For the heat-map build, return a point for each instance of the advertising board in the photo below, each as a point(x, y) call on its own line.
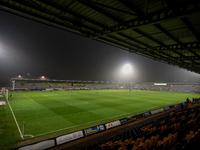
point(94, 130)
point(69, 137)
point(2, 102)
point(166, 108)
point(112, 124)
point(153, 112)
point(131, 118)
point(147, 114)
point(123, 121)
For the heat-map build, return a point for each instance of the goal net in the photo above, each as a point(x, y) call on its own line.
point(3, 90)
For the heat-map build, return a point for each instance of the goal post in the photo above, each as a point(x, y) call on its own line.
point(6, 94)
point(3, 90)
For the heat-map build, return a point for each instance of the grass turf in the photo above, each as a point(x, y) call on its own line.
point(62, 112)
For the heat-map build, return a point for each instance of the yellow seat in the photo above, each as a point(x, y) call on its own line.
point(165, 139)
point(165, 145)
point(142, 139)
point(124, 148)
point(152, 142)
point(134, 148)
point(175, 137)
point(139, 147)
point(159, 143)
point(137, 142)
point(191, 133)
point(171, 140)
point(157, 138)
point(129, 141)
point(146, 145)
point(188, 137)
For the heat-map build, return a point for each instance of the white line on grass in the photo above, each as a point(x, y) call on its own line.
point(22, 101)
point(15, 120)
point(27, 97)
point(99, 120)
point(50, 106)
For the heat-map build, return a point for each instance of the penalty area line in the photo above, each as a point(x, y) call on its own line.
point(28, 97)
point(98, 120)
point(15, 120)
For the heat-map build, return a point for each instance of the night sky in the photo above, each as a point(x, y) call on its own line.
point(40, 50)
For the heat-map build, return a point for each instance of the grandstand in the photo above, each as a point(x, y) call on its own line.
point(38, 84)
point(179, 131)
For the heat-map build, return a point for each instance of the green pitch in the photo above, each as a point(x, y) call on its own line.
point(62, 112)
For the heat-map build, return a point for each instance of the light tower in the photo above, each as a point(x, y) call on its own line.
point(127, 69)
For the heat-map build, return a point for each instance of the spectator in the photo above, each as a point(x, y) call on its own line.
point(187, 100)
point(190, 104)
point(172, 113)
point(181, 106)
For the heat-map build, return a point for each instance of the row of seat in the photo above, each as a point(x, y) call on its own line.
point(159, 134)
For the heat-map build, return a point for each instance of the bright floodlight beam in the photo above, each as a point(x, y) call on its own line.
point(127, 68)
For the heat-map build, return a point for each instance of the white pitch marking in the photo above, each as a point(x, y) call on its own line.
point(15, 120)
point(47, 106)
point(27, 97)
point(98, 120)
point(22, 101)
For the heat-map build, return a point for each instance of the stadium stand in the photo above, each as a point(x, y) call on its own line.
point(165, 131)
point(161, 134)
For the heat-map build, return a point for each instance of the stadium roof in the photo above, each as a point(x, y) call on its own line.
point(164, 30)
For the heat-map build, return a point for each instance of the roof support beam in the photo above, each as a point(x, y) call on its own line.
point(188, 24)
point(119, 10)
point(133, 39)
point(147, 36)
point(118, 39)
point(58, 17)
point(172, 37)
point(64, 10)
point(189, 58)
point(183, 46)
point(152, 18)
point(167, 33)
point(133, 8)
point(100, 11)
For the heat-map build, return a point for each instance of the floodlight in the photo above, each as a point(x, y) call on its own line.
point(127, 68)
point(19, 76)
point(43, 77)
